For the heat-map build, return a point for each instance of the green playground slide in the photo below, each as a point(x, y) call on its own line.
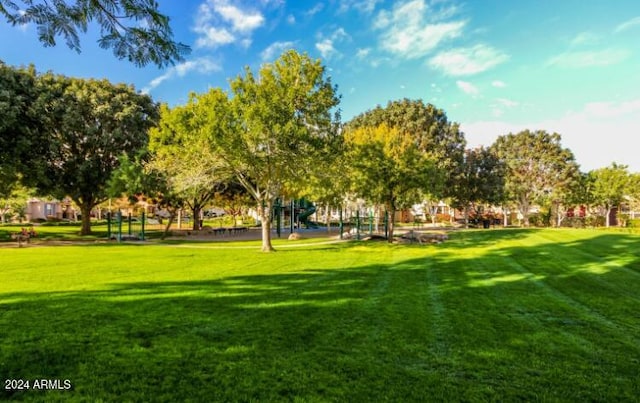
point(309, 209)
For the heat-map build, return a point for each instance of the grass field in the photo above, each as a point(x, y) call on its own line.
point(523, 315)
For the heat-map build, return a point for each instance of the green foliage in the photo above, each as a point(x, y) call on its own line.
point(633, 223)
point(276, 130)
point(478, 178)
point(180, 149)
point(609, 186)
point(14, 206)
point(21, 130)
point(89, 125)
point(440, 140)
point(134, 29)
point(537, 167)
point(387, 167)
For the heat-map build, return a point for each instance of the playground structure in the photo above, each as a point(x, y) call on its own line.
point(123, 227)
point(352, 223)
point(292, 216)
point(295, 213)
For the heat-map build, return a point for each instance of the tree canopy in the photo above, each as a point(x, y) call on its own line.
point(609, 186)
point(478, 178)
point(180, 150)
point(387, 167)
point(89, 125)
point(134, 29)
point(434, 135)
point(21, 129)
point(536, 165)
point(275, 130)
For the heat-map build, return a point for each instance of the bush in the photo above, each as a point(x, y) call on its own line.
point(538, 220)
point(574, 222)
point(595, 221)
point(633, 223)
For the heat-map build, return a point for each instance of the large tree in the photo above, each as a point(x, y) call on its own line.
point(21, 134)
point(89, 125)
point(180, 148)
point(134, 29)
point(609, 186)
point(479, 178)
point(536, 166)
point(273, 132)
point(438, 138)
point(387, 167)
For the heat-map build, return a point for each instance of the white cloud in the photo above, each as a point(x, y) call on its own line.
point(363, 6)
point(584, 38)
point(627, 25)
point(606, 110)
point(202, 65)
point(212, 37)
point(598, 134)
point(315, 10)
point(407, 32)
point(220, 23)
point(275, 49)
point(241, 21)
point(326, 49)
point(467, 87)
point(467, 61)
point(507, 102)
point(291, 19)
point(326, 46)
point(498, 108)
point(361, 53)
point(498, 84)
point(601, 58)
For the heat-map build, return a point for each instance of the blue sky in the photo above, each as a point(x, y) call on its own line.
point(494, 66)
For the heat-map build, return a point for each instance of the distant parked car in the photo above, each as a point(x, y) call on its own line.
point(214, 212)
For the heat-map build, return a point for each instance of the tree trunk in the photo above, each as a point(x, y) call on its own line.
point(265, 217)
point(504, 216)
point(392, 219)
point(196, 217)
point(327, 217)
point(172, 216)
point(607, 216)
point(85, 210)
point(524, 210)
point(466, 216)
point(559, 215)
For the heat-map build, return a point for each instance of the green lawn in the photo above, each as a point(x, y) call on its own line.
point(522, 315)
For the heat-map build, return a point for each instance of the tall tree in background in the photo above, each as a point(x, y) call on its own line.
point(89, 125)
point(276, 137)
point(609, 186)
point(478, 178)
point(387, 167)
point(438, 138)
point(134, 29)
point(536, 166)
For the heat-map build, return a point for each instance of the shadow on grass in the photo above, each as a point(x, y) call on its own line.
point(553, 321)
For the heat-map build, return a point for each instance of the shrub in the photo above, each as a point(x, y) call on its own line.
point(633, 223)
point(595, 221)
